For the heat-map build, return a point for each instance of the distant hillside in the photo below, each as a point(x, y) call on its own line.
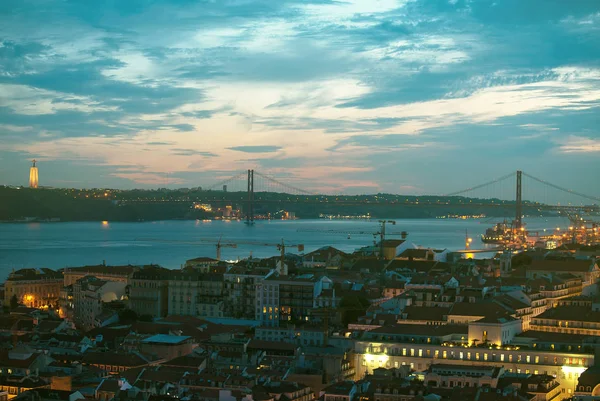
point(164, 204)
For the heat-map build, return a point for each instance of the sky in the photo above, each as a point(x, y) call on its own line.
point(340, 96)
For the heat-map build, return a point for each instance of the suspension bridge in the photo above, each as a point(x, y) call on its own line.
point(519, 191)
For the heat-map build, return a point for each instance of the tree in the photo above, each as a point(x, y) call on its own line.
point(14, 302)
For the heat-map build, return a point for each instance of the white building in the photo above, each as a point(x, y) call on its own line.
point(89, 296)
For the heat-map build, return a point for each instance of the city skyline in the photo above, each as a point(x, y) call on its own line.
point(408, 97)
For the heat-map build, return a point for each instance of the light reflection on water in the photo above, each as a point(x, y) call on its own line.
point(57, 245)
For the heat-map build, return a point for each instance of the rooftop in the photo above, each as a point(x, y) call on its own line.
point(165, 339)
point(572, 265)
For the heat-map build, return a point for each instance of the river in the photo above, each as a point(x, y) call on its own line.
point(57, 245)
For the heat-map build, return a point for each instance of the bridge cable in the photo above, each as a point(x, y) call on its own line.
point(562, 189)
point(227, 181)
point(302, 191)
point(482, 185)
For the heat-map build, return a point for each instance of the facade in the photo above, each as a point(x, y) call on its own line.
point(190, 293)
point(301, 335)
point(102, 272)
point(587, 269)
point(148, 291)
point(288, 299)
point(240, 285)
point(564, 366)
point(36, 288)
point(202, 264)
point(167, 347)
point(568, 320)
point(328, 257)
point(89, 296)
point(496, 331)
point(446, 375)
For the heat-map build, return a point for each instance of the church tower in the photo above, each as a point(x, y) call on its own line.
point(33, 176)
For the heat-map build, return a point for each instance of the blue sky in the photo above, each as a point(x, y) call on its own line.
point(356, 96)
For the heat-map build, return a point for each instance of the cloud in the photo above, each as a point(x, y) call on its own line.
point(330, 95)
point(577, 144)
point(256, 148)
point(192, 152)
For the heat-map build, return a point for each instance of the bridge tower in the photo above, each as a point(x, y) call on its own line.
point(519, 204)
point(250, 203)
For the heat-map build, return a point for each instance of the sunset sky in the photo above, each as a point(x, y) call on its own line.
point(356, 96)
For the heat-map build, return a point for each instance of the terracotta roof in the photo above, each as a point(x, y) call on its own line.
point(109, 385)
point(48, 325)
point(413, 265)
point(324, 254)
point(188, 361)
point(546, 336)
point(113, 358)
point(421, 329)
point(393, 242)
point(341, 388)
point(414, 253)
point(572, 313)
point(432, 313)
point(98, 269)
point(202, 259)
point(271, 346)
point(8, 362)
point(483, 309)
point(573, 265)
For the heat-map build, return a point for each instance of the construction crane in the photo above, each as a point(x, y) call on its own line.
point(281, 246)
point(381, 233)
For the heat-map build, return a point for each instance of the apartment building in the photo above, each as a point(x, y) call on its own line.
point(36, 288)
point(240, 285)
point(89, 295)
point(569, 319)
point(101, 272)
point(149, 291)
point(190, 293)
point(288, 299)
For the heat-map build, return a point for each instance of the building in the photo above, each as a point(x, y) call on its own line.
point(341, 391)
point(327, 256)
point(301, 335)
point(89, 296)
point(33, 176)
point(22, 362)
point(421, 346)
point(586, 269)
point(568, 320)
point(191, 293)
point(166, 346)
point(36, 288)
point(288, 299)
point(240, 285)
point(496, 331)
point(202, 264)
point(101, 272)
point(113, 362)
point(17, 385)
point(588, 386)
point(149, 291)
point(446, 375)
